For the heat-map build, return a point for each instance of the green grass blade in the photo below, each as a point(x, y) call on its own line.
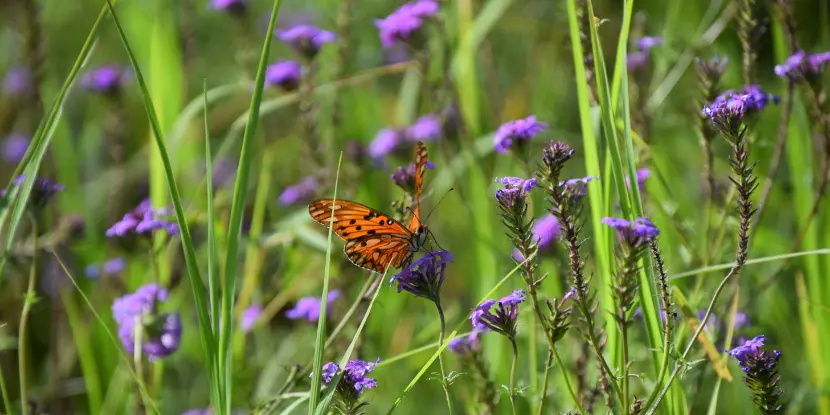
point(723, 267)
point(320, 341)
point(212, 254)
point(191, 263)
point(240, 192)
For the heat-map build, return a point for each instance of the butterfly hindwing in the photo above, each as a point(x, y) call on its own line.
point(353, 220)
point(377, 252)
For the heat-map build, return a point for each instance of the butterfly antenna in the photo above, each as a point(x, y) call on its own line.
point(439, 202)
point(436, 241)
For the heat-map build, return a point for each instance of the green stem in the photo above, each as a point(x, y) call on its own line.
point(444, 381)
point(23, 337)
point(513, 376)
point(544, 390)
point(138, 337)
point(624, 339)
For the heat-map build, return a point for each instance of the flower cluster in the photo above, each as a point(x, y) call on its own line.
point(424, 277)
point(405, 21)
point(730, 108)
point(14, 147)
point(42, 190)
point(503, 319)
point(760, 376)
point(104, 80)
point(517, 132)
point(426, 128)
point(405, 177)
point(306, 40)
point(161, 332)
point(351, 385)
point(144, 219)
point(230, 6)
point(642, 175)
point(309, 307)
point(467, 344)
point(639, 58)
point(634, 234)
point(109, 267)
point(515, 191)
point(250, 316)
point(800, 64)
point(17, 81)
point(298, 192)
point(284, 74)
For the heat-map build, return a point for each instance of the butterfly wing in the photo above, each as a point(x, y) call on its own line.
point(373, 239)
point(420, 167)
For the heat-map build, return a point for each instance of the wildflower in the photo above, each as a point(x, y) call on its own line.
point(504, 319)
point(635, 234)
point(545, 231)
point(199, 411)
point(424, 277)
point(351, 385)
point(309, 307)
point(306, 39)
point(110, 267)
point(647, 42)
point(727, 114)
point(104, 80)
point(405, 177)
point(518, 131)
point(642, 175)
point(576, 189)
point(161, 332)
point(639, 57)
point(144, 219)
point(401, 24)
point(466, 345)
point(284, 74)
point(42, 190)
point(298, 192)
point(17, 81)
point(760, 376)
point(385, 142)
point(426, 128)
point(800, 64)
point(515, 190)
point(741, 320)
point(249, 317)
point(14, 147)
point(714, 68)
point(230, 6)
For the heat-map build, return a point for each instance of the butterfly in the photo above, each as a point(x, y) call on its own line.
point(374, 240)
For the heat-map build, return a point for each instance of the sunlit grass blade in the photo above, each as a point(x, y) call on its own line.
point(212, 254)
point(191, 263)
point(754, 261)
point(320, 340)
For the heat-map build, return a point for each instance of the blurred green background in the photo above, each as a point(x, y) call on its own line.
point(509, 59)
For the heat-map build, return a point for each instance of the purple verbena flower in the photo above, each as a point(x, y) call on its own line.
point(143, 219)
point(230, 6)
point(546, 231)
point(105, 79)
point(424, 277)
point(14, 147)
point(405, 177)
point(285, 74)
point(298, 192)
point(503, 320)
point(515, 190)
point(110, 267)
point(647, 42)
point(635, 234)
point(800, 64)
point(518, 132)
point(330, 370)
point(466, 345)
point(576, 189)
point(401, 24)
point(17, 81)
point(636, 60)
point(741, 320)
point(385, 142)
point(161, 332)
point(306, 39)
point(42, 190)
point(249, 317)
point(642, 175)
point(760, 375)
point(426, 128)
point(309, 307)
point(354, 381)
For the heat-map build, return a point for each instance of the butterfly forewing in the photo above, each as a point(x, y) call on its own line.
point(353, 220)
point(420, 167)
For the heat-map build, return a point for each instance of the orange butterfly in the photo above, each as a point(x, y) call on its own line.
point(373, 239)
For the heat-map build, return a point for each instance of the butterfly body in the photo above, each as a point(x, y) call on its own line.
point(374, 240)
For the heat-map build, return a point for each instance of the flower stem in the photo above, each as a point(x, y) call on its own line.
point(23, 337)
point(513, 376)
point(444, 381)
point(544, 391)
point(138, 339)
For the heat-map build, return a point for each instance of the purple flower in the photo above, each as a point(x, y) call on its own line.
point(576, 189)
point(760, 375)
point(741, 320)
point(199, 411)
point(520, 131)
point(466, 345)
point(401, 24)
point(285, 74)
point(504, 319)
point(748, 349)
point(648, 42)
point(424, 277)
point(546, 230)
point(17, 81)
point(639, 58)
point(144, 219)
point(800, 64)
point(14, 147)
point(42, 190)
point(105, 80)
point(426, 128)
point(306, 39)
point(636, 60)
point(161, 331)
point(249, 317)
point(230, 6)
point(309, 307)
point(330, 370)
point(635, 234)
point(109, 267)
point(385, 142)
point(299, 192)
point(713, 323)
point(642, 175)
point(354, 381)
point(818, 61)
point(515, 190)
point(405, 177)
